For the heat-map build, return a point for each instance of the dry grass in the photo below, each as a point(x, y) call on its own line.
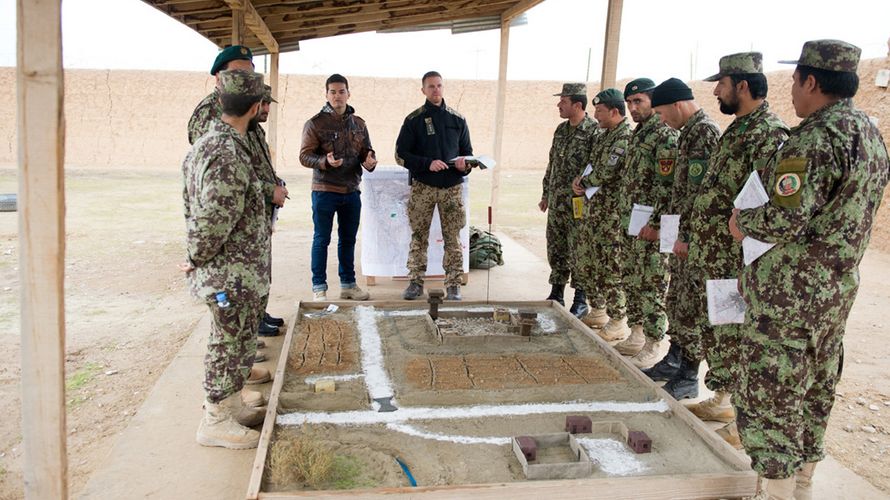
point(301, 457)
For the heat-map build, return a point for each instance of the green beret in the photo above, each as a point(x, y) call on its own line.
point(612, 97)
point(230, 54)
point(830, 55)
point(738, 64)
point(637, 86)
point(573, 89)
point(240, 82)
point(671, 91)
point(267, 95)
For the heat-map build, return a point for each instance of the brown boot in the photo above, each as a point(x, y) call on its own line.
point(775, 489)
point(252, 399)
point(596, 318)
point(615, 330)
point(218, 427)
point(803, 488)
point(649, 354)
point(716, 409)
point(633, 344)
point(730, 434)
point(258, 376)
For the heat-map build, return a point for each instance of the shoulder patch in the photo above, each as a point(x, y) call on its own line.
point(414, 114)
point(697, 169)
point(790, 178)
point(451, 110)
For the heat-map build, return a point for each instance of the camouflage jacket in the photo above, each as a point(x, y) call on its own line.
point(697, 142)
point(649, 169)
point(825, 184)
point(746, 145)
point(607, 160)
point(568, 157)
point(206, 112)
point(227, 228)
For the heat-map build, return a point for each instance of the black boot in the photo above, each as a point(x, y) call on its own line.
point(684, 385)
point(556, 293)
point(579, 304)
point(668, 367)
point(272, 320)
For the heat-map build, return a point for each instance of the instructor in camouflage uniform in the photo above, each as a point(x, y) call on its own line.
point(825, 185)
point(569, 154)
point(648, 180)
point(228, 264)
point(600, 259)
point(675, 105)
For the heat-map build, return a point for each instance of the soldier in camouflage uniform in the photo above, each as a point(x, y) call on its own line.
point(648, 180)
point(825, 184)
point(600, 260)
point(745, 146)
point(569, 154)
point(675, 105)
point(228, 265)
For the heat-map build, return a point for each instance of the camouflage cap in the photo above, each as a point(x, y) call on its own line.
point(573, 89)
point(830, 55)
point(612, 97)
point(738, 64)
point(637, 86)
point(267, 95)
point(230, 54)
point(240, 82)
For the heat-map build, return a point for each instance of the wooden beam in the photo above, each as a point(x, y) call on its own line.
point(500, 106)
point(518, 9)
point(237, 24)
point(254, 22)
point(41, 197)
point(273, 113)
point(610, 47)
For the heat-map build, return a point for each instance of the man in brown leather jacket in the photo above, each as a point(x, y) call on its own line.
point(336, 146)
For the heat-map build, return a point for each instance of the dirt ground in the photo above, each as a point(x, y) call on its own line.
point(128, 312)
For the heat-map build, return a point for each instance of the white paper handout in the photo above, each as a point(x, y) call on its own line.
point(639, 217)
point(589, 192)
point(725, 304)
point(670, 231)
point(752, 195)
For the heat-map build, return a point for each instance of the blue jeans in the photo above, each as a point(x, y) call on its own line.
point(348, 208)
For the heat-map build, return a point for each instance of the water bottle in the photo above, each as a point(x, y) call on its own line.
point(222, 300)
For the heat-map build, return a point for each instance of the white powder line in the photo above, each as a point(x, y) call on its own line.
point(376, 379)
point(419, 413)
point(412, 431)
point(612, 456)
point(546, 324)
point(336, 378)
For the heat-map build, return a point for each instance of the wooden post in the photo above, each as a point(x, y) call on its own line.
point(273, 113)
point(500, 105)
point(41, 202)
point(237, 26)
point(610, 48)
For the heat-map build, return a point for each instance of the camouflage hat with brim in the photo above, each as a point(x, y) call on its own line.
point(240, 82)
point(267, 94)
point(229, 54)
point(611, 97)
point(743, 63)
point(637, 86)
point(830, 55)
point(573, 89)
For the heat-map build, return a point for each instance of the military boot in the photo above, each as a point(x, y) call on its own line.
point(803, 488)
point(730, 434)
point(775, 489)
point(633, 344)
point(684, 385)
point(669, 365)
point(258, 375)
point(253, 399)
point(557, 293)
point(218, 427)
point(414, 291)
point(452, 292)
point(616, 329)
point(272, 320)
point(716, 409)
point(596, 318)
point(579, 304)
point(649, 354)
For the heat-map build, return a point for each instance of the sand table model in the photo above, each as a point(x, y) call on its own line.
point(474, 400)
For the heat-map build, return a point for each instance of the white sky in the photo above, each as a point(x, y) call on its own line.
point(659, 39)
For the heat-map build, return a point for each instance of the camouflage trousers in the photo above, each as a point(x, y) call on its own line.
point(560, 228)
point(231, 347)
point(645, 278)
point(786, 392)
point(598, 265)
point(424, 199)
point(684, 312)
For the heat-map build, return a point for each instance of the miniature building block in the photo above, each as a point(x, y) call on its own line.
point(502, 315)
point(325, 385)
point(578, 424)
point(639, 442)
point(436, 297)
point(529, 447)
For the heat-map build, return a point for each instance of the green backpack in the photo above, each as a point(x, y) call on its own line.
point(485, 249)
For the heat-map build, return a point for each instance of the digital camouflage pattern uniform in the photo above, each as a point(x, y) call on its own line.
point(648, 180)
point(825, 184)
point(569, 154)
point(601, 258)
point(227, 236)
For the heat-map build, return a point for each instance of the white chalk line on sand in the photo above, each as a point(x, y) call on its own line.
point(376, 379)
point(311, 379)
point(407, 414)
point(546, 324)
point(435, 436)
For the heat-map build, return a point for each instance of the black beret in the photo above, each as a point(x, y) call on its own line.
point(671, 91)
